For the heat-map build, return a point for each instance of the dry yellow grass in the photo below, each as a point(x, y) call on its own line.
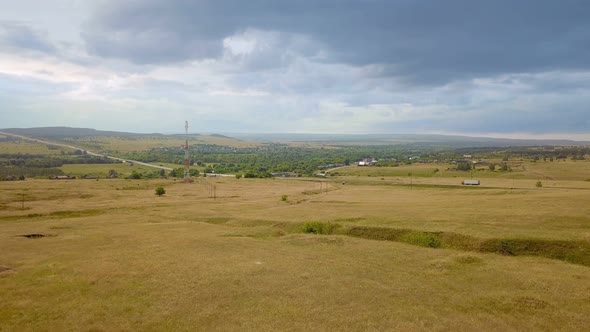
point(28, 147)
point(568, 170)
point(120, 144)
point(123, 145)
point(131, 144)
point(119, 258)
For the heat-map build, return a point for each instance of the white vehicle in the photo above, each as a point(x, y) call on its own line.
point(470, 182)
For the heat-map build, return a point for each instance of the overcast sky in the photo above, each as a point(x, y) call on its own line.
point(507, 68)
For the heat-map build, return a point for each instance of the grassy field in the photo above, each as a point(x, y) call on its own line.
point(116, 257)
point(28, 147)
point(102, 170)
point(568, 170)
point(130, 144)
point(122, 169)
point(117, 145)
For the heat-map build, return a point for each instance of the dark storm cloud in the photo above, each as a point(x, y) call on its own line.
point(418, 41)
point(21, 37)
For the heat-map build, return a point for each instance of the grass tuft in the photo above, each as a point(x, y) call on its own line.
point(318, 227)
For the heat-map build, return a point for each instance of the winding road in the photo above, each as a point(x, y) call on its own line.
point(88, 152)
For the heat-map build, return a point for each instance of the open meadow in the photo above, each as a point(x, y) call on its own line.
point(109, 144)
point(351, 252)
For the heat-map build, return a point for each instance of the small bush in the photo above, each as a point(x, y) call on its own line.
point(284, 198)
point(318, 227)
point(422, 239)
point(160, 191)
point(539, 184)
point(238, 176)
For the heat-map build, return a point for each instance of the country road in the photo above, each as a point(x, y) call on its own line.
point(88, 152)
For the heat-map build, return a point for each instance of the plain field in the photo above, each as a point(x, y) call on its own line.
point(116, 257)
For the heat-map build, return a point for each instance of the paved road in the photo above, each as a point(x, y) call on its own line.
point(88, 152)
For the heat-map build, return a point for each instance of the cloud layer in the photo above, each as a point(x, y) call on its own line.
point(458, 66)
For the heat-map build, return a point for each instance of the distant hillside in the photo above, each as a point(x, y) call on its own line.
point(405, 139)
point(241, 139)
point(65, 133)
point(61, 132)
point(221, 136)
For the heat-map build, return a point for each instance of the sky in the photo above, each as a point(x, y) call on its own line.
point(502, 68)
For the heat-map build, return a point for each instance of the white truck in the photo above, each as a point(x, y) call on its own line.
point(470, 182)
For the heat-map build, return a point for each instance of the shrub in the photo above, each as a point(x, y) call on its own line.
point(422, 239)
point(284, 198)
point(160, 191)
point(318, 227)
point(539, 184)
point(238, 176)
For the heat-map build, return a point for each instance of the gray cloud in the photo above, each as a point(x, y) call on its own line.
point(17, 36)
point(421, 42)
point(301, 66)
point(22, 87)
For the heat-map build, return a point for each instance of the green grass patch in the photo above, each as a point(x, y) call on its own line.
point(55, 215)
point(318, 227)
point(422, 239)
point(577, 252)
point(76, 214)
point(214, 221)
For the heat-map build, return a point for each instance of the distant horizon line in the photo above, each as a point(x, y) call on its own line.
point(584, 138)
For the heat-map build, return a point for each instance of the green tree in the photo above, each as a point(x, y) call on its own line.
point(464, 167)
point(160, 191)
point(492, 167)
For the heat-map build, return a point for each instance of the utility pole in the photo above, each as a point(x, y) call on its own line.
point(187, 173)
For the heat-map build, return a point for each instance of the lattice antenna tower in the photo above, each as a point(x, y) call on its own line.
point(187, 173)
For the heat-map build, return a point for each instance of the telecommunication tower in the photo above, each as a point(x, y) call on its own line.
point(187, 173)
